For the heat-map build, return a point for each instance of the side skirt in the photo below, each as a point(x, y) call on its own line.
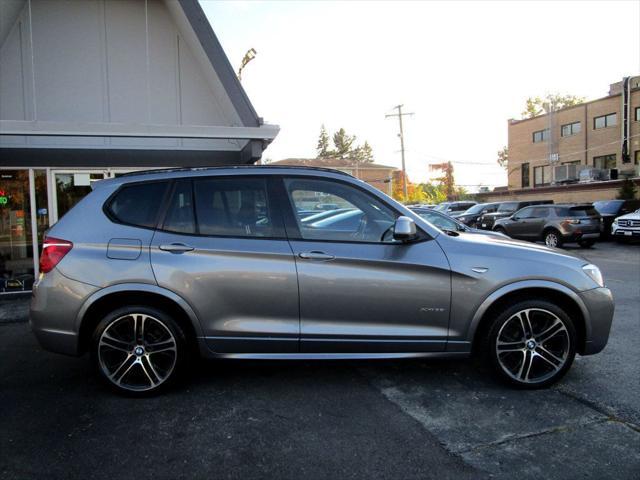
point(336, 356)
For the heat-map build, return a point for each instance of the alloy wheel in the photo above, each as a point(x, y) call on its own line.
point(551, 240)
point(137, 352)
point(533, 345)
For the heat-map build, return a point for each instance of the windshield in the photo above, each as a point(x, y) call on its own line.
point(608, 206)
point(476, 208)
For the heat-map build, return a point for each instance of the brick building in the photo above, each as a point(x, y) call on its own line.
point(378, 176)
point(548, 154)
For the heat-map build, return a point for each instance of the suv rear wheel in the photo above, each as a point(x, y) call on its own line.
point(138, 350)
point(531, 344)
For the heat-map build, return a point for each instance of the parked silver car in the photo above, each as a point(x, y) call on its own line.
point(152, 267)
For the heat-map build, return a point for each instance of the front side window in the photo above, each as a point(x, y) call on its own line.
point(605, 161)
point(508, 207)
point(138, 204)
point(604, 121)
point(541, 136)
point(353, 216)
point(524, 213)
point(570, 129)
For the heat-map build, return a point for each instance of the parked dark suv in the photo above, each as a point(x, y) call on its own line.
point(506, 209)
point(555, 224)
point(471, 217)
point(612, 209)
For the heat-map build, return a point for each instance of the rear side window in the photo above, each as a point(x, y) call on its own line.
point(236, 207)
point(179, 217)
point(582, 212)
point(138, 204)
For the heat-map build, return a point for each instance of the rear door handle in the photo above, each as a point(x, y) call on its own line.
point(315, 255)
point(176, 248)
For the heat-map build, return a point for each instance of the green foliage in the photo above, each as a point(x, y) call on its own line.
point(627, 190)
point(503, 157)
point(344, 147)
point(538, 105)
point(323, 143)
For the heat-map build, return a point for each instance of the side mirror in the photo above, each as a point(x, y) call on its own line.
point(515, 218)
point(404, 229)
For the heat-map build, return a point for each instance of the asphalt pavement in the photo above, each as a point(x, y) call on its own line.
point(388, 419)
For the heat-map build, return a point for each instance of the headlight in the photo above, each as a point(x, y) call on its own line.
point(594, 274)
point(615, 222)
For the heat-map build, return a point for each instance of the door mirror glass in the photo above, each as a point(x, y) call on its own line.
point(404, 229)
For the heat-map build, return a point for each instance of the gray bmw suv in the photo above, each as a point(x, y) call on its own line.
point(151, 268)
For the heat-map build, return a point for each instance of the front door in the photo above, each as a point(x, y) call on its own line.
point(221, 247)
point(360, 291)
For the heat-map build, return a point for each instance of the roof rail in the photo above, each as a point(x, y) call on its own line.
point(234, 167)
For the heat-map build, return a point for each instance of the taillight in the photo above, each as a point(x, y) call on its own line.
point(53, 250)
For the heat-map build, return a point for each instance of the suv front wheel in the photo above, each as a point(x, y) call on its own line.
point(138, 350)
point(531, 344)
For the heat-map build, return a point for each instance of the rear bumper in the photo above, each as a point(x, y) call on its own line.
point(600, 305)
point(579, 236)
point(55, 303)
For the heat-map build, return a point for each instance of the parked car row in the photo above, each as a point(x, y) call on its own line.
point(542, 220)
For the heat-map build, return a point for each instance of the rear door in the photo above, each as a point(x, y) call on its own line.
point(360, 291)
point(222, 247)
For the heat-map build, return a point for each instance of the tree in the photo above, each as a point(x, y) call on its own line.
point(322, 148)
point(503, 157)
point(447, 180)
point(415, 193)
point(343, 143)
point(537, 106)
point(627, 190)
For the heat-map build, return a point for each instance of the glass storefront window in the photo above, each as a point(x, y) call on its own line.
point(72, 187)
point(16, 250)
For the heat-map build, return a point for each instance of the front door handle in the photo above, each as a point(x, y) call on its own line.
point(315, 255)
point(176, 248)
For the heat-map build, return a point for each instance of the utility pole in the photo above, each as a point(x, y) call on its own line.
point(401, 135)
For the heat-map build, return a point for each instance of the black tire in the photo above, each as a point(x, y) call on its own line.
point(586, 243)
point(510, 364)
point(552, 238)
point(159, 363)
point(501, 230)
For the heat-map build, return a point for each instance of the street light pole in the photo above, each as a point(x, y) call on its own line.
point(401, 135)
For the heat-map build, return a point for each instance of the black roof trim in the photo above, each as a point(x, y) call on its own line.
point(214, 51)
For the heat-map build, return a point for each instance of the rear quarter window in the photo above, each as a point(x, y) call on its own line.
point(138, 204)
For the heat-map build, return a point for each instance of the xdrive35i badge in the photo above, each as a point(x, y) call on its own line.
point(431, 309)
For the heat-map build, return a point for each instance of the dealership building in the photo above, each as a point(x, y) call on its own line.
point(93, 89)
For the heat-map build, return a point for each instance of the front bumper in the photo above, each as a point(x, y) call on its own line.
point(55, 303)
point(627, 232)
point(600, 308)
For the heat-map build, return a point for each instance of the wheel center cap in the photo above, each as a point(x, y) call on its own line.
point(139, 351)
point(531, 344)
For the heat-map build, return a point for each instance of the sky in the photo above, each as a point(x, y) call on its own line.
point(462, 67)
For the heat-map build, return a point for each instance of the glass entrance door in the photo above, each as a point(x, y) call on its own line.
point(71, 187)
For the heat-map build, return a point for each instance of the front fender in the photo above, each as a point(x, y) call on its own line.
point(523, 285)
point(135, 288)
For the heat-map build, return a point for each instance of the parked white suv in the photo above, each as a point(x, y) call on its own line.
point(626, 226)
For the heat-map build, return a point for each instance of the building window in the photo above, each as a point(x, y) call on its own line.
point(604, 121)
point(541, 175)
point(636, 160)
point(605, 161)
point(570, 129)
point(637, 114)
point(525, 175)
point(541, 136)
